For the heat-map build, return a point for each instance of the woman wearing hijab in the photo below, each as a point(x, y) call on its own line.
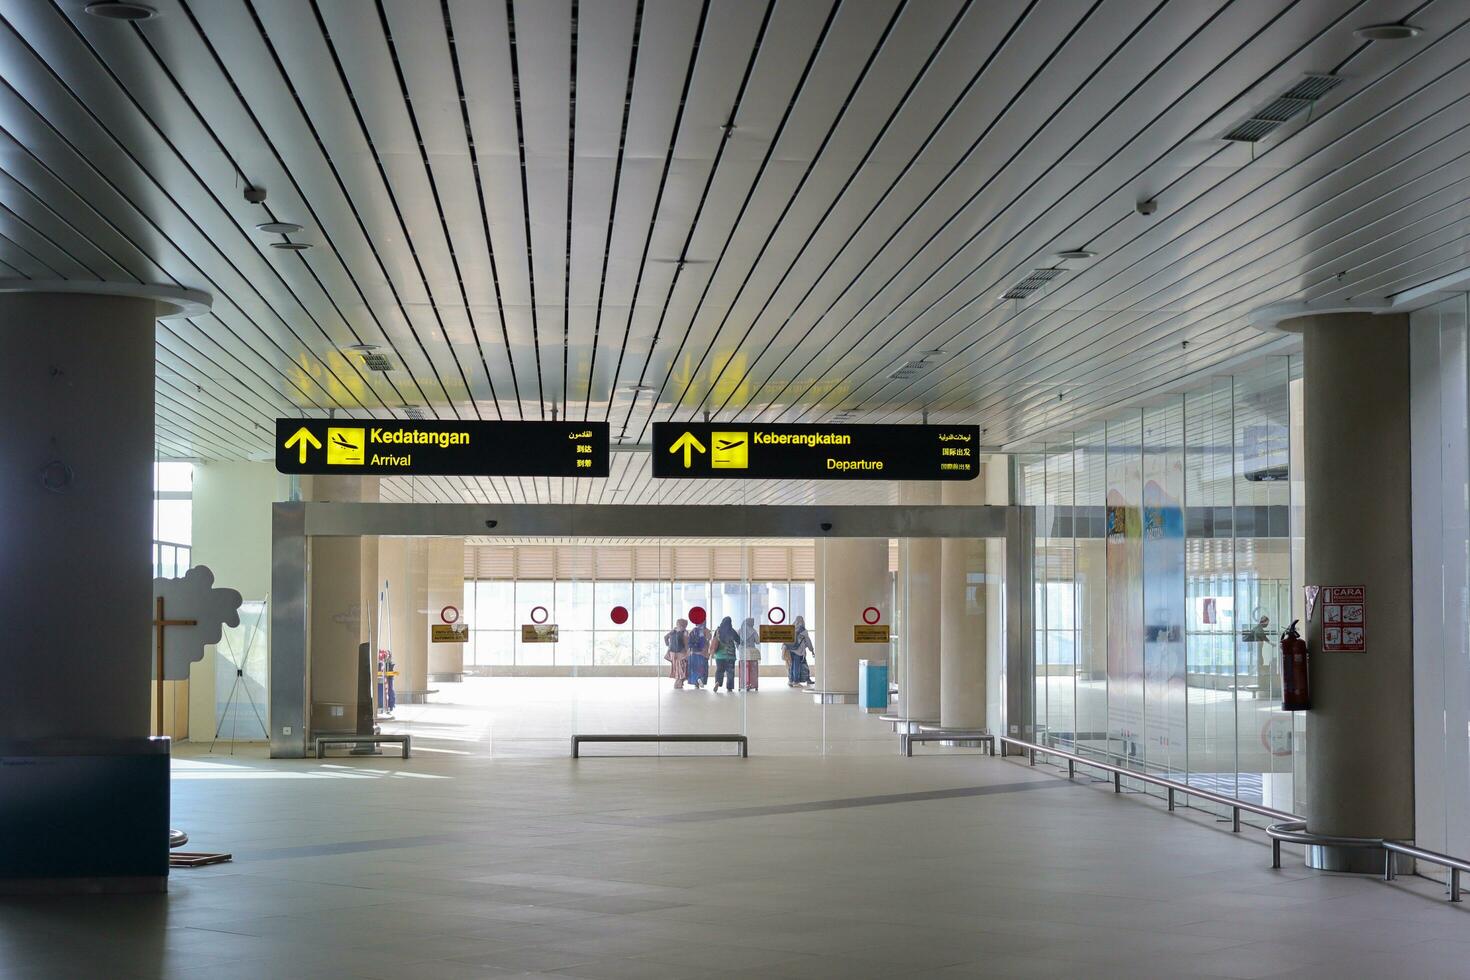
point(799, 674)
point(750, 655)
point(727, 642)
point(676, 644)
point(699, 655)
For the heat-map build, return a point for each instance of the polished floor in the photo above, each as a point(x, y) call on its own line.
point(460, 863)
point(522, 717)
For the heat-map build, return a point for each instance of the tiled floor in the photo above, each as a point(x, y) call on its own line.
point(471, 865)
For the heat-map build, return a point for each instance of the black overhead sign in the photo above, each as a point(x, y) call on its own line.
point(747, 451)
point(344, 447)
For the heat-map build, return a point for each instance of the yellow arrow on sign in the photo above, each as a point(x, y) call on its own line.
point(686, 442)
point(302, 438)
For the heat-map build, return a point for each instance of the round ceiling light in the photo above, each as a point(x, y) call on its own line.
point(279, 227)
point(1388, 32)
point(1076, 253)
point(291, 246)
point(120, 10)
point(362, 348)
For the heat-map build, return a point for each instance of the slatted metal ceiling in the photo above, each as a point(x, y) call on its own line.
point(649, 209)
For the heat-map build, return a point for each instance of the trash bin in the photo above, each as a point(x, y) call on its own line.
point(873, 686)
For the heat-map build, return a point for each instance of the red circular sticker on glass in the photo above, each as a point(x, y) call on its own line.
point(619, 614)
point(776, 615)
point(449, 614)
point(871, 615)
point(696, 615)
point(539, 615)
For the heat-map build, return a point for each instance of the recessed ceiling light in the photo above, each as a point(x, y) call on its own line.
point(279, 227)
point(638, 387)
point(1076, 253)
point(291, 246)
point(362, 348)
point(120, 10)
point(1388, 32)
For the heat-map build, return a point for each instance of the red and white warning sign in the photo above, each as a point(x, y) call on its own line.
point(1343, 619)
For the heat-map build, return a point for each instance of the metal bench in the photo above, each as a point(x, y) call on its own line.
point(740, 740)
point(322, 741)
point(906, 740)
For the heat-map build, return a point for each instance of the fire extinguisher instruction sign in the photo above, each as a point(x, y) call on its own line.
point(1344, 622)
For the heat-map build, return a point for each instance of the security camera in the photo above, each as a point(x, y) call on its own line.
point(491, 524)
point(1148, 207)
point(826, 526)
point(255, 195)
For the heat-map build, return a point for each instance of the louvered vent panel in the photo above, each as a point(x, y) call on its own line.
point(729, 563)
point(535, 562)
point(575, 562)
point(691, 563)
point(804, 562)
point(770, 564)
point(492, 561)
point(381, 363)
point(1252, 131)
point(1034, 281)
point(1313, 87)
point(1286, 106)
point(614, 564)
point(653, 563)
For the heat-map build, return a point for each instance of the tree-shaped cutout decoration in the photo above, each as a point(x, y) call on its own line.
point(192, 597)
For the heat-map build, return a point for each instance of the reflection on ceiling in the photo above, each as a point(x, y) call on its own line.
point(767, 210)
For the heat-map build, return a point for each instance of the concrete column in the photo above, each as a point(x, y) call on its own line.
point(962, 623)
point(1360, 750)
point(403, 568)
point(232, 535)
point(87, 790)
point(919, 561)
point(446, 588)
point(343, 609)
point(852, 574)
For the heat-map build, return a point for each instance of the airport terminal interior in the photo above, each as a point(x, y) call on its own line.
point(734, 488)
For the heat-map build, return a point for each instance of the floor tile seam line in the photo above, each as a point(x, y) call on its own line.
point(846, 803)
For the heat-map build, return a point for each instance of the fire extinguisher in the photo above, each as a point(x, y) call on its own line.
point(1296, 692)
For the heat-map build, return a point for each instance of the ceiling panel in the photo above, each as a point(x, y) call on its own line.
point(644, 210)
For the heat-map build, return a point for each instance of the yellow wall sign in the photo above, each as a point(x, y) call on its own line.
point(778, 634)
point(449, 633)
point(862, 633)
point(542, 633)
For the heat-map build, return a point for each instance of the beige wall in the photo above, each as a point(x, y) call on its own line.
point(232, 535)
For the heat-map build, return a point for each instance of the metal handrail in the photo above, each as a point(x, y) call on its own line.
point(1171, 785)
point(1291, 828)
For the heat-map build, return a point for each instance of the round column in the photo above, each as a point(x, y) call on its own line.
point(962, 611)
point(1359, 743)
point(446, 588)
point(76, 560)
point(852, 574)
point(919, 577)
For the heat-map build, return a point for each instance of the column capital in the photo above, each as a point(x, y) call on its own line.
point(172, 301)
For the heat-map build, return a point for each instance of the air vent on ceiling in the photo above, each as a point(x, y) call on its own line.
point(413, 411)
point(1034, 280)
point(1280, 110)
point(377, 362)
point(909, 370)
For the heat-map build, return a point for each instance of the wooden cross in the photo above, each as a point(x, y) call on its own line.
point(159, 622)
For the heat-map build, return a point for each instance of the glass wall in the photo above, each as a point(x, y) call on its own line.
point(173, 518)
point(606, 577)
point(1165, 567)
point(1440, 374)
